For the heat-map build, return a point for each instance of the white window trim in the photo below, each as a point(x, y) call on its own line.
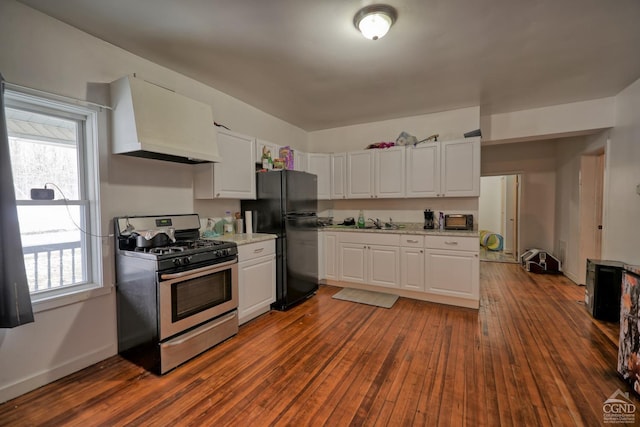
point(95, 287)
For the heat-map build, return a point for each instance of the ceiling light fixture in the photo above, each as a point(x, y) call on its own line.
point(375, 20)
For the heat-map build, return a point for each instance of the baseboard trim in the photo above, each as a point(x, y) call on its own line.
point(25, 385)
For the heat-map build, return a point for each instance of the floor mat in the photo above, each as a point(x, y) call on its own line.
point(378, 299)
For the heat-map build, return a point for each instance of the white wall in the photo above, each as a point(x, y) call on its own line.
point(491, 204)
point(577, 118)
point(621, 238)
point(40, 52)
point(535, 160)
point(448, 124)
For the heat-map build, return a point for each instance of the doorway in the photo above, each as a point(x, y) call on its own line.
point(591, 184)
point(498, 218)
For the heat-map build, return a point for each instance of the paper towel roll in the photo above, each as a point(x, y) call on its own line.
point(248, 222)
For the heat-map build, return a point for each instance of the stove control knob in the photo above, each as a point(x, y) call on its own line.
point(177, 261)
point(186, 260)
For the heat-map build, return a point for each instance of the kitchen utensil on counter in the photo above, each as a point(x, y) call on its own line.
point(428, 219)
point(348, 221)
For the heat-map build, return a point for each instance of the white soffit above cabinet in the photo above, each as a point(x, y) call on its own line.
point(306, 63)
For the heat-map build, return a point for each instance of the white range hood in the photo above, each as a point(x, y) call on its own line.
point(152, 122)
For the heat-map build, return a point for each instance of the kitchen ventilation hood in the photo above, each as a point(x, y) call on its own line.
point(155, 123)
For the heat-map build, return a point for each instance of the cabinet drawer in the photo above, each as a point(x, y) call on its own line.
point(256, 250)
point(370, 238)
point(412, 241)
point(453, 243)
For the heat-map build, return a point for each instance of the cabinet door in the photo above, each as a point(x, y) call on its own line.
point(360, 183)
point(235, 176)
point(383, 266)
point(257, 287)
point(330, 256)
point(423, 170)
point(353, 260)
point(412, 269)
point(320, 165)
point(452, 273)
point(338, 176)
point(299, 161)
point(389, 176)
point(460, 175)
point(272, 147)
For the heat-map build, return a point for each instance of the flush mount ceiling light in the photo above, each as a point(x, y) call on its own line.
point(375, 20)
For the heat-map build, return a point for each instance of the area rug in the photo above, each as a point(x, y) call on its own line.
point(378, 299)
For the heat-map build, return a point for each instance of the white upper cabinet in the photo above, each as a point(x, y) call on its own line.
point(339, 176)
point(235, 176)
point(320, 165)
point(423, 170)
point(444, 169)
point(460, 168)
point(261, 144)
point(300, 161)
point(390, 172)
point(360, 184)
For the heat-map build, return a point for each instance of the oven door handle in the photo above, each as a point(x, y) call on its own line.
point(208, 269)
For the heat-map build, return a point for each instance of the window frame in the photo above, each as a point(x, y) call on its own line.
point(88, 194)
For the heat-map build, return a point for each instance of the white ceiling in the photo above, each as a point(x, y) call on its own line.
point(304, 61)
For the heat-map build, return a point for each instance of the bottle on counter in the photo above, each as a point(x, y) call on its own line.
point(441, 221)
point(228, 223)
point(361, 219)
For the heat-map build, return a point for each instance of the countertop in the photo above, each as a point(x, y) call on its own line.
point(405, 228)
point(243, 239)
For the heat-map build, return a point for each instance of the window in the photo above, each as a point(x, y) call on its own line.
point(53, 145)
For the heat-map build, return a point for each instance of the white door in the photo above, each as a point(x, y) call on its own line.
point(360, 174)
point(412, 269)
point(452, 273)
point(320, 165)
point(460, 173)
point(390, 172)
point(423, 170)
point(353, 259)
point(384, 266)
point(257, 285)
point(339, 176)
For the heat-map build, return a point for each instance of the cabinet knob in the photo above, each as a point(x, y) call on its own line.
point(450, 243)
point(217, 194)
point(421, 251)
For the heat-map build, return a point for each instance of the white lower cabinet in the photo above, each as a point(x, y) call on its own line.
point(412, 262)
point(444, 269)
point(369, 258)
point(330, 251)
point(256, 279)
point(452, 267)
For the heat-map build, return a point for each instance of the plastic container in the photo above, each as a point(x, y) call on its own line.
point(228, 223)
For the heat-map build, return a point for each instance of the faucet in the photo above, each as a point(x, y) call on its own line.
point(376, 222)
point(390, 224)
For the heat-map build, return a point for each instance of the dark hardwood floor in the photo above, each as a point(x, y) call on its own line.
point(530, 356)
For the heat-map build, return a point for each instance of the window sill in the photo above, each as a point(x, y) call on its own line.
point(49, 301)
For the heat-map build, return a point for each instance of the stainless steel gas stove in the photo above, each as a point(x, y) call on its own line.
point(177, 295)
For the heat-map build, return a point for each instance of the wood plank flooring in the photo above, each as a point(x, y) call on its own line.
point(530, 356)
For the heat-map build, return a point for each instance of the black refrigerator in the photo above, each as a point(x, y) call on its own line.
point(286, 205)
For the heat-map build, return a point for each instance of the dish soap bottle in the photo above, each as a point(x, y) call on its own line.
point(361, 219)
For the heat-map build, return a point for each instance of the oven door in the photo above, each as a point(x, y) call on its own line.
point(192, 297)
